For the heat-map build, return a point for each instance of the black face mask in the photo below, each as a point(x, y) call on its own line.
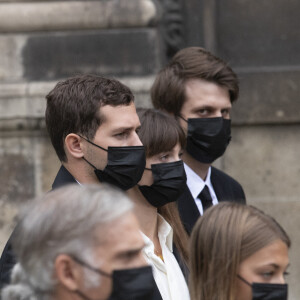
point(125, 166)
point(133, 284)
point(267, 291)
point(169, 182)
point(207, 138)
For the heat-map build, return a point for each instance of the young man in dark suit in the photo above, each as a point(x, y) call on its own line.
point(92, 123)
point(199, 88)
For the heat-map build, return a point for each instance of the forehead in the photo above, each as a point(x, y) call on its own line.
point(275, 253)
point(202, 92)
point(118, 116)
point(121, 234)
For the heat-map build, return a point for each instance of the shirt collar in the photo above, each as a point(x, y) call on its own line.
point(194, 182)
point(165, 235)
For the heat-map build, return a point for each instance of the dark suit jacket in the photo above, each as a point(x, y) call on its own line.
point(226, 189)
point(8, 260)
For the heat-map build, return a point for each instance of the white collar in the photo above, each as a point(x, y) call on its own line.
point(195, 183)
point(165, 235)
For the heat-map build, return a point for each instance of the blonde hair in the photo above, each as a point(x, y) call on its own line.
point(222, 238)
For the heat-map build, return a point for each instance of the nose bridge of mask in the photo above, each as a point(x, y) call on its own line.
point(127, 279)
point(267, 291)
point(165, 170)
point(269, 286)
point(210, 127)
point(116, 155)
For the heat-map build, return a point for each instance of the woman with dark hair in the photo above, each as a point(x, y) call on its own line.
point(238, 253)
point(162, 182)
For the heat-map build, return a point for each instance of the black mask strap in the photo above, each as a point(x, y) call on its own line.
point(182, 118)
point(148, 169)
point(93, 143)
point(89, 162)
point(244, 280)
point(82, 295)
point(96, 270)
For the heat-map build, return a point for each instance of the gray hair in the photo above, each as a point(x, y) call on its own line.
point(62, 221)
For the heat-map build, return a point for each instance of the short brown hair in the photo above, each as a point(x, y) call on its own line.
point(222, 238)
point(159, 131)
point(73, 107)
point(168, 90)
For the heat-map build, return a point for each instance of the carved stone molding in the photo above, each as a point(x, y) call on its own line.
point(172, 26)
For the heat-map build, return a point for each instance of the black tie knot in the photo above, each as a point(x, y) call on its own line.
point(205, 198)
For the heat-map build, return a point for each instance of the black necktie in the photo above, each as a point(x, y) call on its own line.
point(205, 198)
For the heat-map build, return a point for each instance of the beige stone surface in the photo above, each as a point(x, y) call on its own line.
point(70, 15)
point(7, 214)
point(17, 178)
point(49, 165)
point(265, 160)
point(11, 68)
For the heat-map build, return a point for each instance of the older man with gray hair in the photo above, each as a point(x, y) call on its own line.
point(79, 242)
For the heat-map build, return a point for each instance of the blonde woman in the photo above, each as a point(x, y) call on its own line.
point(238, 253)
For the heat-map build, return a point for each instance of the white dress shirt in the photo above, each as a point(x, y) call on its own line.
point(167, 274)
point(196, 184)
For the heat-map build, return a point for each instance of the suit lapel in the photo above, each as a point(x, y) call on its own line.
point(217, 185)
point(62, 178)
point(188, 210)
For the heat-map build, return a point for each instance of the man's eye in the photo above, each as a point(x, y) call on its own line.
point(225, 111)
point(203, 111)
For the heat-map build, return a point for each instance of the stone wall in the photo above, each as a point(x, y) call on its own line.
point(43, 41)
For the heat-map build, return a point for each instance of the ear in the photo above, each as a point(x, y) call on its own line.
point(67, 272)
point(73, 145)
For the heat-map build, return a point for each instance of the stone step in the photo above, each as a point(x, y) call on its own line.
point(74, 15)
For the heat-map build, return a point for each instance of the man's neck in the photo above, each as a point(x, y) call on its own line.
point(145, 213)
point(198, 167)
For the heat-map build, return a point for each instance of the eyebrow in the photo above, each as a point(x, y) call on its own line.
point(124, 129)
point(275, 265)
point(131, 251)
point(196, 109)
